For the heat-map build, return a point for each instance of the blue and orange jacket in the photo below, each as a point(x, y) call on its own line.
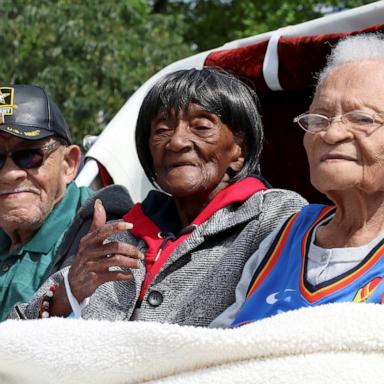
point(279, 284)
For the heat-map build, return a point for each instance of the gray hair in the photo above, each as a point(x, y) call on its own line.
point(354, 49)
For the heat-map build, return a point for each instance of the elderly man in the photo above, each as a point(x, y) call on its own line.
point(38, 198)
point(326, 254)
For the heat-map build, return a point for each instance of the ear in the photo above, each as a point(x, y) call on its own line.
point(238, 159)
point(239, 153)
point(71, 162)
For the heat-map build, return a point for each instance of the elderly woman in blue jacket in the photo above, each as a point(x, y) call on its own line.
point(177, 256)
point(326, 254)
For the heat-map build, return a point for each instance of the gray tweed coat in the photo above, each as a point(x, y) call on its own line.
point(198, 281)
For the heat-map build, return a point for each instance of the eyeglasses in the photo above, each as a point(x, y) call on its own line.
point(358, 121)
point(29, 158)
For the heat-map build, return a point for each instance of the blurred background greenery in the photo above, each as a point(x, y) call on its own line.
point(91, 55)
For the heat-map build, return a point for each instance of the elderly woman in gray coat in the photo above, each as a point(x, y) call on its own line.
point(178, 255)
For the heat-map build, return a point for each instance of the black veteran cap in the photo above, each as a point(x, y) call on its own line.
point(28, 112)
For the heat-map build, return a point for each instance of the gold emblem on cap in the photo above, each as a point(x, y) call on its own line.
point(6, 102)
point(14, 130)
point(3, 96)
point(34, 133)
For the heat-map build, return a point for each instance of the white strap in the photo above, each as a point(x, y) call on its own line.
point(76, 307)
point(271, 62)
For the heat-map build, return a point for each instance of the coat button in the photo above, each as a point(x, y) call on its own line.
point(5, 267)
point(155, 298)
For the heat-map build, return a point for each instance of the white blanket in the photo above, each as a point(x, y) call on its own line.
point(338, 343)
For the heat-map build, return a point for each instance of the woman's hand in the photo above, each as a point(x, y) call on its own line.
point(91, 266)
point(94, 259)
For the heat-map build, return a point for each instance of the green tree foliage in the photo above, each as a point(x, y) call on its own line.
point(90, 55)
point(210, 23)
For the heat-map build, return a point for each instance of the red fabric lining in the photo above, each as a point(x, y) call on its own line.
point(104, 175)
point(300, 58)
point(303, 57)
point(245, 62)
point(147, 230)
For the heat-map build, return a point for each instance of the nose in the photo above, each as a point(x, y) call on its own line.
point(336, 132)
point(180, 139)
point(10, 172)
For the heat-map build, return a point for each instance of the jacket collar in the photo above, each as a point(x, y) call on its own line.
point(158, 212)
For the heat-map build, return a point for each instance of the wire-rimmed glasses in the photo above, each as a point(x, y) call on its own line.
point(359, 121)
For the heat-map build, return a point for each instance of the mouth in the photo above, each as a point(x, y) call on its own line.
point(337, 157)
point(181, 164)
point(18, 191)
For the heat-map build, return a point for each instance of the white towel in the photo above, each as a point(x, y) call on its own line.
point(335, 343)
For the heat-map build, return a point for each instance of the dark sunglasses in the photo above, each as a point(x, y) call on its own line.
point(29, 158)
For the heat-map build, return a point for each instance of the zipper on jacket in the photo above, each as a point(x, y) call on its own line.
point(166, 236)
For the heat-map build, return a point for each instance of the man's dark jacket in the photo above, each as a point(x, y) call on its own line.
point(116, 201)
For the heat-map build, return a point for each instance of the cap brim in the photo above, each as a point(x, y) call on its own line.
point(27, 133)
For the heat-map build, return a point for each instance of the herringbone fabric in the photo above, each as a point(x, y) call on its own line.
point(198, 281)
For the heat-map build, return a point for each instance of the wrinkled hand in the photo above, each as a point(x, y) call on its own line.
point(91, 266)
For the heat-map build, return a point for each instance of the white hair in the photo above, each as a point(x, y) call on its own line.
point(354, 49)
